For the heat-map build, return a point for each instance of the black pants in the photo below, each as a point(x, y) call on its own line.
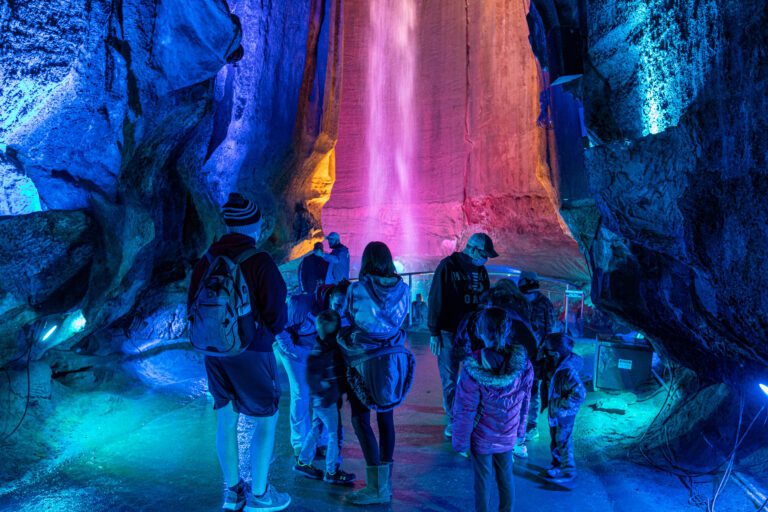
point(375, 453)
point(494, 469)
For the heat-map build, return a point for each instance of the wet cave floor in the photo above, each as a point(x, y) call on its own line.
point(112, 450)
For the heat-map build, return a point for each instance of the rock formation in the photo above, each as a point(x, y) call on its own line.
point(673, 219)
point(475, 159)
point(124, 123)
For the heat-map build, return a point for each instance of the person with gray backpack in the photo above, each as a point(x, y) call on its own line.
point(236, 305)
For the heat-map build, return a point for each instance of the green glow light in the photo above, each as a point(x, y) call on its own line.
point(50, 332)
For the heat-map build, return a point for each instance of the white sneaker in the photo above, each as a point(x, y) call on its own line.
point(520, 451)
point(272, 501)
point(448, 432)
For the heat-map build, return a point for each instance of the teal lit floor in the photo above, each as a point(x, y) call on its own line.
point(154, 451)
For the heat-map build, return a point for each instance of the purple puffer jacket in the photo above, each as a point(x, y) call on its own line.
point(491, 404)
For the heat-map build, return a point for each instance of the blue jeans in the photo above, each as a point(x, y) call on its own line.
point(330, 417)
point(448, 366)
point(486, 467)
point(295, 365)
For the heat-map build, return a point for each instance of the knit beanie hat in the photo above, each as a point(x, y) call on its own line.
point(239, 211)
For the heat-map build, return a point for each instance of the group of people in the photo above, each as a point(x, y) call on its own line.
point(499, 363)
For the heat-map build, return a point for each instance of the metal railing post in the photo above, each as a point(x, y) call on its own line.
point(410, 305)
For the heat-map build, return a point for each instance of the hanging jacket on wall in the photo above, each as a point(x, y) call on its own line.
point(491, 404)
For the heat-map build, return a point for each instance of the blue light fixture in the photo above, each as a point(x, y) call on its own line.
point(50, 332)
point(764, 388)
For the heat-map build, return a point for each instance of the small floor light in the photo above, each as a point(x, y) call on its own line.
point(764, 388)
point(50, 332)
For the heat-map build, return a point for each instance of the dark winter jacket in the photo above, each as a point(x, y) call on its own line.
point(338, 264)
point(265, 285)
point(325, 373)
point(468, 342)
point(542, 316)
point(565, 392)
point(456, 290)
point(379, 367)
point(267, 293)
point(312, 272)
point(491, 405)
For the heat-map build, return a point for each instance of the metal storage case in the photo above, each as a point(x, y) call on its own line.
point(622, 365)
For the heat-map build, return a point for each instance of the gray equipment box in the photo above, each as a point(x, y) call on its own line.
point(621, 365)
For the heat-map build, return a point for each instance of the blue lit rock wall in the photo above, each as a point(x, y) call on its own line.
point(127, 113)
point(676, 227)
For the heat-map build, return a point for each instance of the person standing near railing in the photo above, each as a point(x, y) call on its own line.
point(338, 259)
point(457, 286)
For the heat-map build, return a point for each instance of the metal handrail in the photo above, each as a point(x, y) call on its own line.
point(570, 288)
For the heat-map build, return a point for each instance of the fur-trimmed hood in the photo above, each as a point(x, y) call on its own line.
point(501, 373)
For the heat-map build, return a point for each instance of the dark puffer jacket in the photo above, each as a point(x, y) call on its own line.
point(565, 392)
point(379, 366)
point(325, 373)
point(491, 405)
point(542, 316)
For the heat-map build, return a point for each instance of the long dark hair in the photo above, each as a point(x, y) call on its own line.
point(377, 261)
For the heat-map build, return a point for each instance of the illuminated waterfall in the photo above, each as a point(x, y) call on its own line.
point(390, 124)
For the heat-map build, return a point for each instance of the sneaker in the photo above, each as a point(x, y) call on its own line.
point(520, 451)
point(558, 475)
point(448, 432)
point(339, 477)
point(308, 470)
point(532, 433)
point(271, 501)
point(235, 497)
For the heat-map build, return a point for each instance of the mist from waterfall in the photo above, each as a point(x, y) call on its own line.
point(391, 124)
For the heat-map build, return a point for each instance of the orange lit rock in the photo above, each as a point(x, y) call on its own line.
point(479, 161)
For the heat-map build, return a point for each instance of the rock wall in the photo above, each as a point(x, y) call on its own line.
point(475, 159)
point(674, 98)
point(140, 116)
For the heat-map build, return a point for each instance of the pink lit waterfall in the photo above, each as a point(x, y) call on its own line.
point(391, 124)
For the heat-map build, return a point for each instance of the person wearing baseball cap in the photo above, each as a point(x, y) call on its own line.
point(247, 383)
point(338, 259)
point(457, 286)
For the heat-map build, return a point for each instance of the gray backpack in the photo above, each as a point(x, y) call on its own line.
point(221, 302)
